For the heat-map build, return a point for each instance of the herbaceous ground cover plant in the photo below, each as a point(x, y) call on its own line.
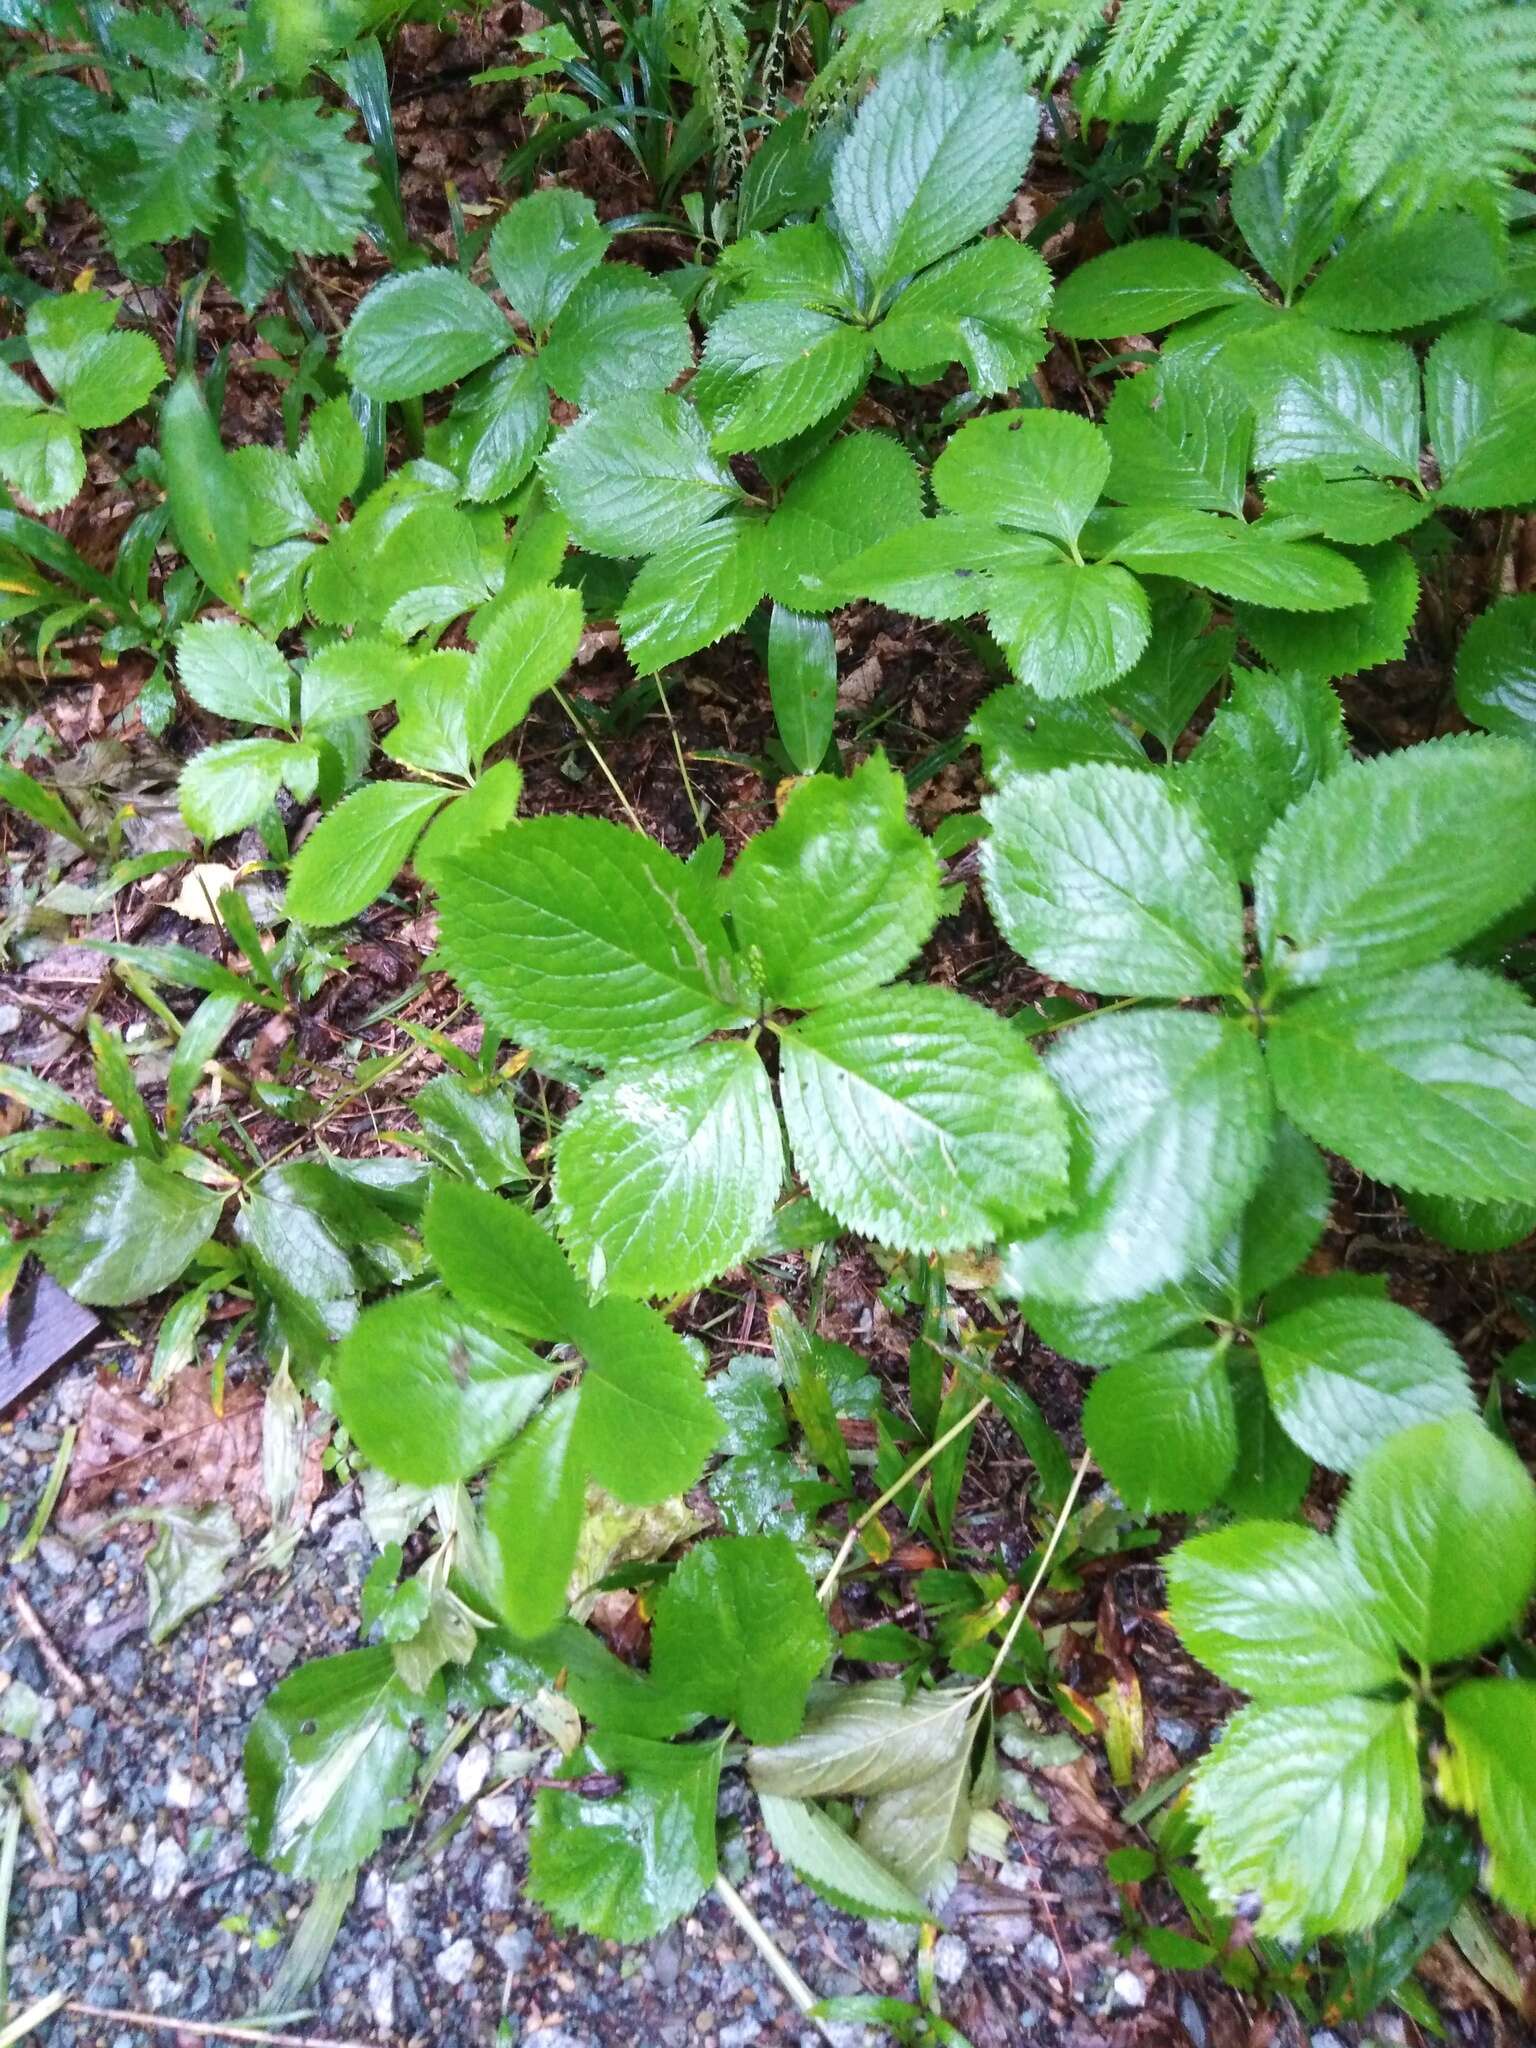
point(808, 815)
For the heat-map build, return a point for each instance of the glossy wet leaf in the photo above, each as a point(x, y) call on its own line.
point(1162, 1429)
point(1491, 1769)
point(739, 1633)
point(127, 1232)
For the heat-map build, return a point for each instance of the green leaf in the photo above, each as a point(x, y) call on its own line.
point(1021, 734)
point(465, 820)
point(233, 671)
point(207, 505)
point(693, 592)
point(802, 685)
point(619, 332)
point(274, 496)
point(1238, 561)
point(347, 679)
point(300, 181)
point(1179, 435)
point(1396, 273)
point(127, 1232)
point(863, 488)
point(427, 1394)
point(1316, 1809)
point(1393, 861)
point(770, 370)
point(1106, 878)
point(983, 307)
point(1278, 1611)
point(1479, 384)
point(588, 941)
point(627, 1865)
point(1172, 1124)
point(1343, 1374)
point(1496, 669)
point(496, 427)
point(22, 792)
point(942, 568)
point(501, 1262)
point(41, 456)
point(1441, 1522)
point(1342, 401)
point(1357, 510)
point(224, 789)
point(740, 1634)
point(666, 1178)
point(936, 151)
point(1288, 223)
point(1272, 1474)
point(1039, 470)
point(1162, 1429)
point(647, 1423)
point(838, 896)
point(474, 1130)
point(542, 248)
point(355, 851)
point(1143, 286)
point(860, 1740)
point(104, 379)
point(433, 703)
point(331, 457)
point(1491, 1770)
point(1425, 1079)
point(1265, 747)
point(637, 474)
point(169, 186)
point(1355, 637)
point(329, 1764)
point(1068, 630)
point(921, 1119)
point(533, 1508)
point(529, 645)
point(420, 330)
point(1182, 664)
point(833, 1864)
point(1472, 1226)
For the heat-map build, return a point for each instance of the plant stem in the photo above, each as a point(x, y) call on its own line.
point(829, 1584)
point(801, 1994)
point(597, 754)
point(1040, 1571)
point(677, 748)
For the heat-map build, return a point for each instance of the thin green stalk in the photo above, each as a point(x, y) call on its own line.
point(597, 754)
point(1039, 1579)
point(829, 1584)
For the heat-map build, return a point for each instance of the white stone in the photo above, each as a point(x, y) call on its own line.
point(951, 1958)
point(381, 1996)
point(454, 1963)
point(167, 1870)
point(474, 1768)
point(1129, 1992)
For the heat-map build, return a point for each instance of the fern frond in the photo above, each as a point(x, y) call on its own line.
point(715, 33)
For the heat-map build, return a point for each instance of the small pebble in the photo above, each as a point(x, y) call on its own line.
point(951, 1958)
point(474, 1768)
point(166, 1872)
point(381, 1996)
point(454, 1963)
point(514, 1950)
point(1128, 1993)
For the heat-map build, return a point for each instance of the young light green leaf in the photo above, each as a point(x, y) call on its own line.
point(207, 505)
point(429, 1395)
point(356, 850)
point(41, 455)
point(1172, 1124)
point(833, 1864)
point(1491, 1771)
point(637, 474)
point(331, 457)
point(501, 1262)
point(233, 671)
point(529, 644)
point(693, 592)
point(1107, 878)
point(769, 371)
point(1162, 1429)
point(922, 1120)
point(1479, 384)
point(1496, 669)
point(542, 248)
point(1314, 1809)
point(1441, 1522)
point(665, 1178)
point(1265, 747)
point(420, 330)
point(1143, 286)
point(627, 1865)
point(739, 1633)
point(329, 1763)
point(1425, 1079)
point(647, 1423)
point(802, 685)
point(588, 941)
point(1391, 862)
point(983, 307)
point(225, 788)
point(839, 895)
point(127, 1232)
point(936, 151)
point(345, 680)
point(533, 1508)
point(465, 820)
point(1042, 471)
point(1343, 1374)
point(1278, 1611)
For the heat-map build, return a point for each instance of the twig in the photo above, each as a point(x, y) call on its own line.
point(829, 1584)
point(677, 748)
point(28, 2021)
point(153, 2022)
point(1040, 1571)
point(48, 1649)
point(597, 754)
point(801, 1995)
